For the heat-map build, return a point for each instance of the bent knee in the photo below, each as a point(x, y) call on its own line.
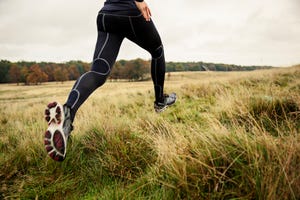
point(101, 66)
point(158, 52)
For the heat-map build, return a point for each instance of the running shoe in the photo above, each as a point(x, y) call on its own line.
point(168, 100)
point(59, 129)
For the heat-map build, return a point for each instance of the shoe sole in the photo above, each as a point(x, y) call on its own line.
point(165, 107)
point(159, 110)
point(55, 140)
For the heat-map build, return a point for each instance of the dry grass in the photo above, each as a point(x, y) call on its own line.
point(230, 136)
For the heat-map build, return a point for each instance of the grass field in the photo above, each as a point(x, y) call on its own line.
point(232, 135)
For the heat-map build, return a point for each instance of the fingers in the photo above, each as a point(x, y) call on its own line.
point(145, 10)
point(150, 14)
point(147, 14)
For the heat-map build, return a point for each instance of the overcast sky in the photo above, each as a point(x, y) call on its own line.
point(244, 32)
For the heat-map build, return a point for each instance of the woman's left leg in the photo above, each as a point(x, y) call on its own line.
point(107, 48)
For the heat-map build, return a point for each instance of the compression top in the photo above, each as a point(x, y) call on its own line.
point(119, 5)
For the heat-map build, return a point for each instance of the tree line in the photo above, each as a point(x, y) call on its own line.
point(133, 70)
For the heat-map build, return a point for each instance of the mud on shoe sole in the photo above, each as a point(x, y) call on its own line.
point(55, 140)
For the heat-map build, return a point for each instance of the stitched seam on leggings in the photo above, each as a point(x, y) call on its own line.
point(107, 37)
point(120, 15)
point(106, 62)
point(75, 87)
point(155, 73)
point(161, 46)
point(85, 74)
point(132, 28)
point(103, 23)
point(98, 57)
point(78, 95)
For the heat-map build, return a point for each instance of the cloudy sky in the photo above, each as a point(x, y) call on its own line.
point(244, 32)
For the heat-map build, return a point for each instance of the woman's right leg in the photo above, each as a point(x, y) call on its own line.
point(106, 52)
point(146, 36)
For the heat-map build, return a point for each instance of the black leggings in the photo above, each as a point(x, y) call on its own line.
point(112, 29)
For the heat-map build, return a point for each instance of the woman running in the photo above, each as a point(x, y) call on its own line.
point(118, 19)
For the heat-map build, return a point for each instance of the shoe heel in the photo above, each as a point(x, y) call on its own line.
point(53, 113)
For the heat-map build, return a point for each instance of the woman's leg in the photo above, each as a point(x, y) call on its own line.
point(146, 36)
point(106, 52)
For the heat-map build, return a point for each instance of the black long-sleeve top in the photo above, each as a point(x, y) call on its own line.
point(119, 5)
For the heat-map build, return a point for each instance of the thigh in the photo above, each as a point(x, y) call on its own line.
point(106, 51)
point(145, 34)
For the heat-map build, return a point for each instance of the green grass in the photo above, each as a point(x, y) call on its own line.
point(229, 136)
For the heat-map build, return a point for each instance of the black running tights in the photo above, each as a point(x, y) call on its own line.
point(112, 29)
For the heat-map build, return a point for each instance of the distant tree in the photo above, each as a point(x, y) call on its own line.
point(145, 70)
point(122, 62)
point(4, 69)
point(116, 72)
point(36, 75)
point(49, 70)
point(86, 66)
point(60, 74)
point(82, 67)
point(137, 69)
point(73, 72)
point(15, 74)
point(24, 74)
point(133, 70)
point(211, 66)
point(180, 67)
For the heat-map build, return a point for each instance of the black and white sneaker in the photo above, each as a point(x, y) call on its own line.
point(168, 100)
point(59, 129)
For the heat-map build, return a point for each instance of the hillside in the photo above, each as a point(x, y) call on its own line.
point(232, 135)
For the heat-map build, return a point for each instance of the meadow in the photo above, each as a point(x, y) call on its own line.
point(230, 135)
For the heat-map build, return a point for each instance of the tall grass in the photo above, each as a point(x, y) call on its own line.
point(229, 136)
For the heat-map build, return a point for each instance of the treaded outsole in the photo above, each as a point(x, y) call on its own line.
point(159, 110)
point(54, 140)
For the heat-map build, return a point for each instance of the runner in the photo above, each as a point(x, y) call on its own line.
point(118, 19)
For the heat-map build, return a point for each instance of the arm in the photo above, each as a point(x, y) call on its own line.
point(143, 7)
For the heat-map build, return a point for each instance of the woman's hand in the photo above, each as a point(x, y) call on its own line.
point(145, 10)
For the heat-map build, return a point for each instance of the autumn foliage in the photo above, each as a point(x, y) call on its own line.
point(33, 73)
